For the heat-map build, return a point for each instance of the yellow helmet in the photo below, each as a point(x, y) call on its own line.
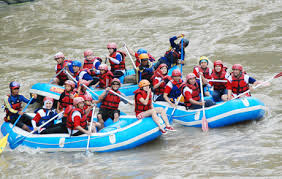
point(143, 56)
point(203, 58)
point(143, 83)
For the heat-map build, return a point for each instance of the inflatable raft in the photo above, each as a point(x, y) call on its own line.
point(127, 133)
point(222, 114)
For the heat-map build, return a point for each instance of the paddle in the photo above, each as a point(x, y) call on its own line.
point(3, 141)
point(122, 97)
point(219, 81)
point(124, 45)
point(177, 102)
point(205, 126)
point(91, 123)
point(276, 76)
point(57, 74)
point(182, 55)
point(19, 140)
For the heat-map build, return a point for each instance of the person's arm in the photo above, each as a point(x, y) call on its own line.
point(77, 126)
point(172, 43)
point(157, 83)
point(192, 101)
point(83, 130)
point(145, 101)
point(102, 96)
point(116, 60)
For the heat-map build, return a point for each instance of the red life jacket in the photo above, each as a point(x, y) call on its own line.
point(205, 72)
point(62, 76)
point(83, 120)
point(66, 101)
point(111, 101)
point(102, 79)
point(160, 89)
point(219, 76)
point(195, 93)
point(239, 85)
point(121, 65)
point(88, 64)
point(139, 107)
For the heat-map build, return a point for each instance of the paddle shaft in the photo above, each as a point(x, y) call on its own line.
point(91, 123)
point(182, 55)
point(177, 102)
point(121, 97)
point(57, 74)
point(205, 126)
point(124, 45)
point(220, 81)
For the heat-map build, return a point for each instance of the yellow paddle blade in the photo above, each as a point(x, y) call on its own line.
point(3, 143)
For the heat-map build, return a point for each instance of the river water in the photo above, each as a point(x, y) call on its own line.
point(235, 31)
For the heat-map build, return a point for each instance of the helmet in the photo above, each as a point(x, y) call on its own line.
point(76, 63)
point(48, 99)
point(59, 55)
point(237, 67)
point(143, 83)
point(218, 62)
point(103, 67)
point(14, 85)
point(77, 100)
point(84, 82)
point(185, 42)
point(176, 73)
point(190, 75)
point(88, 53)
point(115, 80)
point(87, 97)
point(71, 83)
point(141, 50)
point(112, 45)
point(203, 58)
point(143, 56)
point(162, 65)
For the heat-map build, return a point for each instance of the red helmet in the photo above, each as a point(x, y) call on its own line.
point(115, 80)
point(88, 53)
point(71, 83)
point(176, 73)
point(59, 55)
point(14, 85)
point(48, 99)
point(218, 62)
point(103, 67)
point(237, 67)
point(190, 75)
point(77, 100)
point(112, 45)
point(87, 97)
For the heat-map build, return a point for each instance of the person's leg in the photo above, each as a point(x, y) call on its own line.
point(209, 103)
point(100, 120)
point(216, 95)
point(195, 106)
point(153, 113)
point(117, 74)
point(116, 115)
point(161, 111)
point(224, 95)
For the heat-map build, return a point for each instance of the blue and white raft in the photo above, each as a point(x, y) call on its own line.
point(128, 132)
point(222, 114)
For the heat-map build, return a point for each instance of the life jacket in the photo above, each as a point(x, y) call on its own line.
point(89, 64)
point(219, 76)
point(83, 120)
point(195, 93)
point(66, 99)
point(160, 89)
point(121, 65)
point(175, 91)
point(81, 94)
point(173, 55)
point(15, 104)
point(102, 79)
point(206, 72)
point(111, 101)
point(239, 85)
point(145, 74)
point(139, 107)
point(62, 76)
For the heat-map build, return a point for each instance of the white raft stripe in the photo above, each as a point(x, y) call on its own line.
point(43, 93)
point(230, 113)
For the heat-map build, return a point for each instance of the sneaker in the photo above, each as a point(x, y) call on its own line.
point(163, 131)
point(170, 128)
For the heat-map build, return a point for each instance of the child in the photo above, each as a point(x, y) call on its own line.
point(160, 79)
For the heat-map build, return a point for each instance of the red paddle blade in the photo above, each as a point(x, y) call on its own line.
point(278, 75)
point(205, 126)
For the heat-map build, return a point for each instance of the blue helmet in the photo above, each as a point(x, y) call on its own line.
point(141, 50)
point(76, 63)
point(185, 42)
point(14, 85)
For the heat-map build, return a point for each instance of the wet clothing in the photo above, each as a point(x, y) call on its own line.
point(139, 107)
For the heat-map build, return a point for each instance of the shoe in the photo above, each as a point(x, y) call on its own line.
point(170, 128)
point(163, 131)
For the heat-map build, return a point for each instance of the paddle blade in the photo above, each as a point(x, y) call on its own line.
point(205, 126)
point(278, 75)
point(3, 143)
point(17, 142)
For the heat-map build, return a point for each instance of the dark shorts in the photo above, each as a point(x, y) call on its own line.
point(24, 120)
point(108, 113)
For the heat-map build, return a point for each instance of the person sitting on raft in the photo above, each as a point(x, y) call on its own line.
point(172, 57)
point(191, 92)
point(66, 97)
point(13, 107)
point(105, 77)
point(144, 107)
point(219, 88)
point(117, 60)
point(62, 64)
point(145, 69)
point(77, 120)
point(172, 88)
point(43, 115)
point(238, 82)
point(160, 79)
point(205, 72)
point(138, 53)
point(88, 105)
point(110, 103)
point(91, 62)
